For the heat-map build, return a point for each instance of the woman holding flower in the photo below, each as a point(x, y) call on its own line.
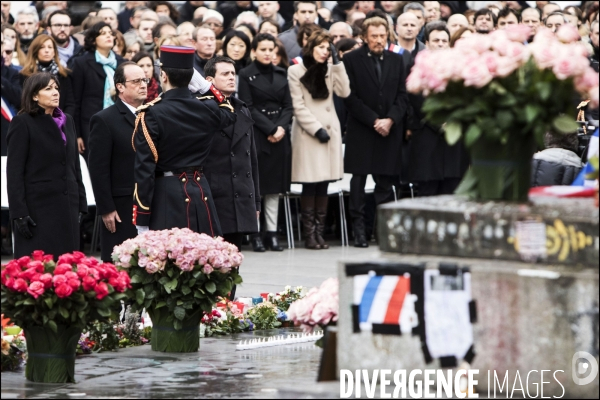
point(45, 190)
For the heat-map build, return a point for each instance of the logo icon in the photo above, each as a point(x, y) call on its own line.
point(584, 368)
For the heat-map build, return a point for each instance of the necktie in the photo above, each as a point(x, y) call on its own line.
point(377, 68)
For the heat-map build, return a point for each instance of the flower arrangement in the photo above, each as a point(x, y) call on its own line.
point(320, 307)
point(226, 319)
point(14, 352)
point(284, 299)
point(36, 291)
point(264, 316)
point(176, 275)
point(493, 90)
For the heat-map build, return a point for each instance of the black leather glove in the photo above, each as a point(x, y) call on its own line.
point(334, 54)
point(23, 226)
point(322, 135)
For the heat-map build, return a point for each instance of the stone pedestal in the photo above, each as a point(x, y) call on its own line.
point(531, 316)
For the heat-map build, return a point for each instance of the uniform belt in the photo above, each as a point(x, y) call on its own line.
point(271, 112)
point(179, 171)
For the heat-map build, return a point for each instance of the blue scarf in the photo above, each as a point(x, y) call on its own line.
point(109, 64)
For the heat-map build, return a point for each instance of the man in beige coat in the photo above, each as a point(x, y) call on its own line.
point(317, 157)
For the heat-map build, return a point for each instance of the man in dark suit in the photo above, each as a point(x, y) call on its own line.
point(233, 180)
point(112, 157)
point(173, 137)
point(376, 108)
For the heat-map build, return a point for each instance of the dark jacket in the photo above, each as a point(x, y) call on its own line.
point(230, 11)
point(367, 152)
point(44, 182)
point(181, 129)
point(554, 167)
point(271, 106)
point(186, 12)
point(290, 42)
point(11, 93)
point(111, 170)
point(199, 64)
point(123, 18)
point(87, 80)
point(234, 180)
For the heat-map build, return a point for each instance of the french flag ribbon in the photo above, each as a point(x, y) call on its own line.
point(394, 48)
point(380, 298)
point(6, 111)
point(592, 151)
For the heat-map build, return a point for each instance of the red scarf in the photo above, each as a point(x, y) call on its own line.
point(152, 90)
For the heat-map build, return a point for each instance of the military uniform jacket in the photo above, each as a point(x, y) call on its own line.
point(232, 173)
point(172, 145)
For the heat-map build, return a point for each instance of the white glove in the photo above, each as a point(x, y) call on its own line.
point(199, 83)
point(142, 229)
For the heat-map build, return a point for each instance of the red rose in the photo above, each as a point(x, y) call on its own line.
point(74, 283)
point(20, 285)
point(89, 283)
point(28, 274)
point(95, 273)
point(13, 268)
point(63, 291)
point(78, 256)
point(110, 270)
point(66, 259)
point(38, 265)
point(36, 289)
point(70, 275)
point(101, 290)
point(82, 270)
point(92, 262)
point(46, 279)
point(48, 258)
point(23, 261)
point(125, 276)
point(59, 280)
point(62, 268)
point(38, 255)
point(8, 282)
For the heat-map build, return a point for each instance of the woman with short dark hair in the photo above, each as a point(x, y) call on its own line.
point(45, 190)
point(146, 63)
point(236, 45)
point(92, 79)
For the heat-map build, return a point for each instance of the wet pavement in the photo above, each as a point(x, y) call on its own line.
point(216, 371)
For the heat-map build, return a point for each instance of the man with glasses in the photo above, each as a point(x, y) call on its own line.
point(59, 27)
point(111, 157)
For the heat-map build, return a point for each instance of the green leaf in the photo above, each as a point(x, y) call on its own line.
point(210, 287)
point(164, 280)
point(29, 302)
point(544, 90)
point(237, 279)
point(186, 290)
point(453, 131)
point(63, 311)
point(565, 124)
point(136, 279)
point(104, 312)
point(179, 313)
point(473, 133)
point(140, 296)
point(160, 304)
point(147, 278)
point(48, 301)
point(531, 112)
point(177, 324)
point(52, 326)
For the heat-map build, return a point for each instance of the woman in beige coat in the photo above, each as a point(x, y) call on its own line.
point(317, 157)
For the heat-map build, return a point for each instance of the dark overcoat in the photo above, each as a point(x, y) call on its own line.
point(87, 81)
point(234, 180)
point(44, 181)
point(11, 93)
point(270, 105)
point(367, 152)
point(181, 129)
point(111, 169)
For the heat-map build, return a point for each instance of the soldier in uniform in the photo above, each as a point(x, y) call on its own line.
point(172, 139)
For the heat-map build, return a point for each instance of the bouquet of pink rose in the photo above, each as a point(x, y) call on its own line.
point(176, 274)
point(495, 90)
point(53, 302)
point(319, 307)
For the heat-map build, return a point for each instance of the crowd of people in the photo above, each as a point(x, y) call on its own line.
point(316, 92)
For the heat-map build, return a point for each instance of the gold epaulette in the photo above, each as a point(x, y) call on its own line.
point(149, 104)
point(227, 105)
point(206, 98)
point(583, 104)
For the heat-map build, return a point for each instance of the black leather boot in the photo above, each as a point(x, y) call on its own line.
point(360, 238)
point(320, 216)
point(308, 223)
point(272, 242)
point(257, 243)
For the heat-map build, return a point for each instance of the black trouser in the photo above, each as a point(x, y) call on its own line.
point(317, 189)
point(434, 188)
point(383, 192)
point(235, 239)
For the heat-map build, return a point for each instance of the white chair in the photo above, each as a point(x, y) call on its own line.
point(91, 200)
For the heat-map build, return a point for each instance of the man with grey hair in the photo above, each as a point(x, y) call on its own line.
point(339, 31)
point(421, 14)
point(247, 17)
point(26, 25)
point(270, 10)
point(457, 21)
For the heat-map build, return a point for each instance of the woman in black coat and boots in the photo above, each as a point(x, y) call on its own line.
point(92, 79)
point(264, 88)
point(45, 190)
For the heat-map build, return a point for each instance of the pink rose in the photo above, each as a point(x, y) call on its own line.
point(66, 259)
point(151, 267)
point(586, 81)
point(82, 270)
point(565, 67)
point(479, 43)
point(568, 34)
point(59, 280)
point(518, 33)
point(517, 52)
point(89, 283)
point(78, 256)
point(543, 55)
point(46, 279)
point(20, 285)
point(593, 96)
point(23, 261)
point(490, 59)
point(62, 268)
point(28, 274)
point(476, 74)
point(37, 265)
point(63, 291)
point(506, 66)
point(36, 289)
point(101, 290)
point(38, 255)
point(74, 283)
point(207, 269)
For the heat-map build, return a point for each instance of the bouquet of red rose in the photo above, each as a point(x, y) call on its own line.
point(53, 302)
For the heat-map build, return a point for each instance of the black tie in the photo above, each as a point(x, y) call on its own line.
point(377, 68)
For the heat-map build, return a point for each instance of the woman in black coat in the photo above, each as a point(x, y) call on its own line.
point(43, 57)
point(264, 88)
point(45, 191)
point(92, 79)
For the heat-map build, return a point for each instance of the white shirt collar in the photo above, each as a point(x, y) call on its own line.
point(131, 108)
